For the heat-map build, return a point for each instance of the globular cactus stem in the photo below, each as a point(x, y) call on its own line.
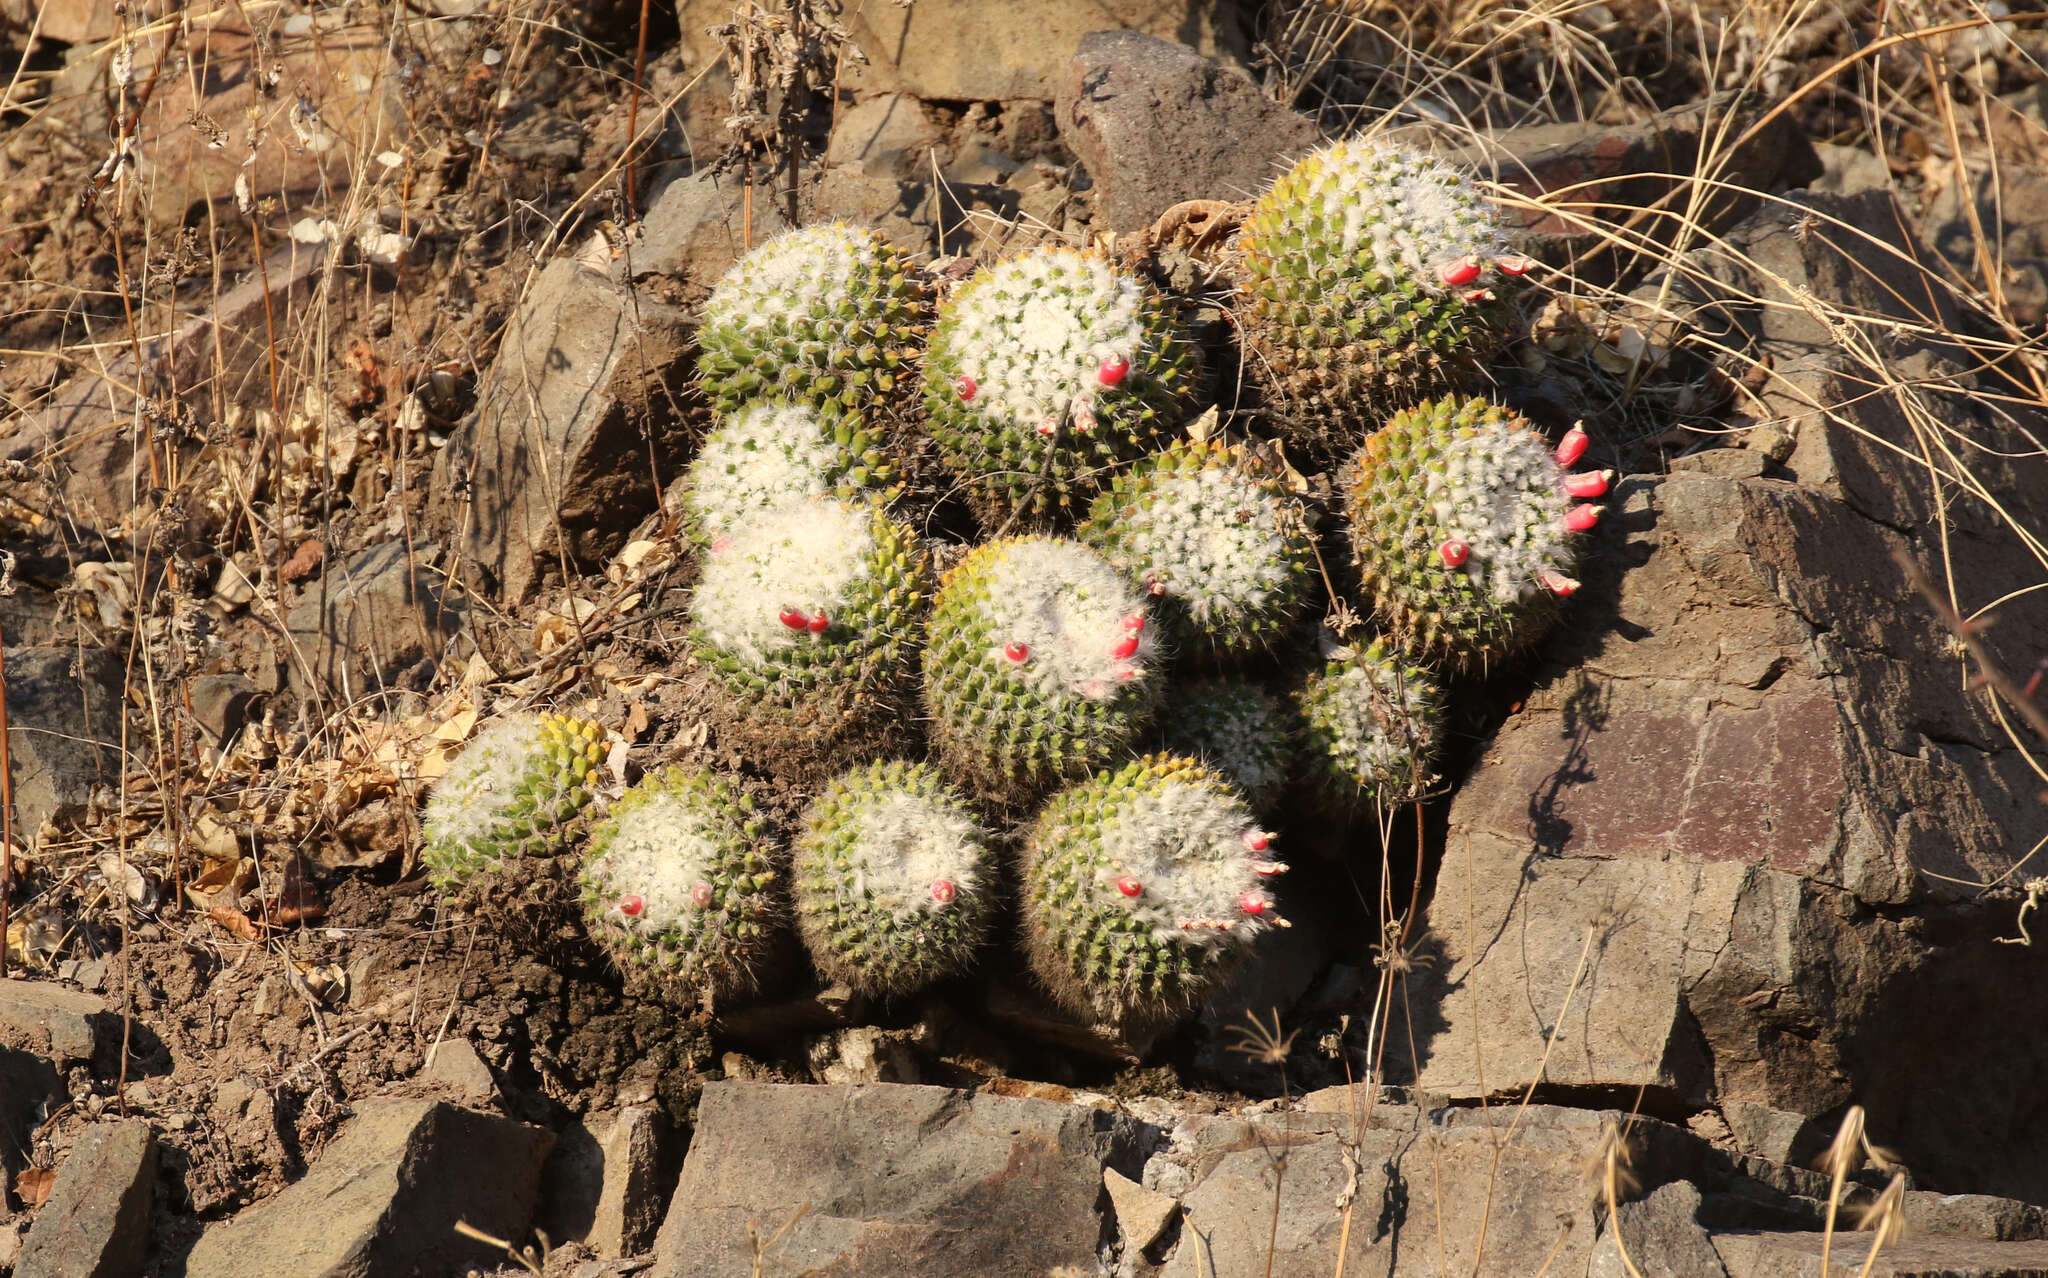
point(769, 455)
point(1373, 726)
point(1145, 888)
point(517, 789)
point(1237, 729)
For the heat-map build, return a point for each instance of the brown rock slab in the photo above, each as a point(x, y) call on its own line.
point(1657, 1236)
point(1156, 123)
point(455, 1069)
point(50, 1020)
point(894, 1180)
point(382, 1200)
point(96, 1222)
point(1141, 1214)
point(888, 135)
point(63, 730)
point(639, 1172)
point(970, 51)
point(1797, 1255)
point(368, 620)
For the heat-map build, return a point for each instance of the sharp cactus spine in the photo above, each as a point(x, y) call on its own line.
point(1236, 729)
point(678, 886)
point(893, 880)
point(1141, 893)
point(516, 790)
point(1039, 665)
point(1464, 529)
point(828, 316)
point(1045, 369)
point(1224, 548)
point(767, 455)
point(1357, 287)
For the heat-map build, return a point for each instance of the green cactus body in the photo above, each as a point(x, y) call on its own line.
point(828, 316)
point(1224, 550)
point(1041, 665)
point(1369, 277)
point(1238, 730)
point(1145, 888)
point(516, 790)
point(678, 884)
point(768, 455)
point(1464, 529)
point(893, 880)
point(1045, 370)
point(820, 595)
point(1372, 726)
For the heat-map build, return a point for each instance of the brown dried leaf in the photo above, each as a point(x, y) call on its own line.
point(305, 561)
point(33, 1184)
point(232, 919)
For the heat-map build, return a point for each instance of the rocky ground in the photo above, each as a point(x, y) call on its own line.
point(339, 413)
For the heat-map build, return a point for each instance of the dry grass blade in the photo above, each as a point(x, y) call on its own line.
point(761, 1249)
point(533, 1260)
point(1887, 1218)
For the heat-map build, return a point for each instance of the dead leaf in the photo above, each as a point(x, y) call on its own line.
point(235, 921)
point(305, 561)
point(296, 900)
point(636, 721)
point(32, 1185)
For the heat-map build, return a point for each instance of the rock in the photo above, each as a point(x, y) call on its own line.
point(64, 712)
point(885, 136)
point(697, 227)
point(384, 1196)
point(641, 1152)
point(223, 703)
point(29, 1085)
point(1612, 169)
point(589, 378)
point(96, 1222)
point(966, 51)
point(365, 623)
point(1156, 123)
point(79, 442)
point(454, 1069)
point(2013, 231)
point(542, 138)
point(894, 1180)
point(50, 1020)
point(1779, 1135)
point(1846, 170)
point(864, 1054)
point(1974, 1216)
point(64, 21)
point(1797, 1255)
point(1141, 1215)
point(913, 216)
point(1662, 1236)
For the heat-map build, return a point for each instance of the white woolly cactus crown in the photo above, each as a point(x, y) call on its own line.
point(1236, 728)
point(805, 559)
point(1422, 220)
point(511, 792)
point(1373, 725)
point(767, 455)
point(1500, 492)
point(1186, 848)
point(1066, 623)
point(793, 275)
point(918, 853)
point(658, 872)
point(1040, 331)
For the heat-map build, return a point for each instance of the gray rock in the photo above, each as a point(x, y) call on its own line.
point(1849, 169)
point(1142, 1215)
point(697, 227)
point(641, 1153)
point(892, 1179)
point(376, 615)
point(1797, 1255)
point(537, 136)
point(885, 136)
point(914, 216)
point(63, 730)
point(96, 1222)
point(1778, 1135)
point(454, 1069)
point(970, 51)
point(223, 703)
point(1662, 1236)
point(382, 1200)
point(1156, 123)
point(1975, 1216)
point(555, 461)
point(29, 1084)
point(50, 1020)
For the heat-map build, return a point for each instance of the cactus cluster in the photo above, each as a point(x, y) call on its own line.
point(1041, 665)
point(1144, 888)
point(893, 879)
point(1222, 548)
point(1047, 370)
point(516, 790)
point(1159, 597)
point(768, 455)
point(1370, 275)
point(828, 316)
point(1466, 528)
point(678, 883)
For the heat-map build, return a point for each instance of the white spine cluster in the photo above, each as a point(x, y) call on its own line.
point(1065, 621)
point(1374, 721)
point(1034, 334)
point(1213, 540)
point(1185, 848)
point(800, 560)
point(656, 875)
point(483, 780)
point(792, 276)
point(1235, 730)
point(1501, 492)
point(764, 456)
point(909, 844)
point(1415, 213)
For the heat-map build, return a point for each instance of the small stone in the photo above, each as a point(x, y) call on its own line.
point(1141, 1214)
point(640, 1164)
point(49, 1020)
point(96, 1222)
point(453, 1067)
